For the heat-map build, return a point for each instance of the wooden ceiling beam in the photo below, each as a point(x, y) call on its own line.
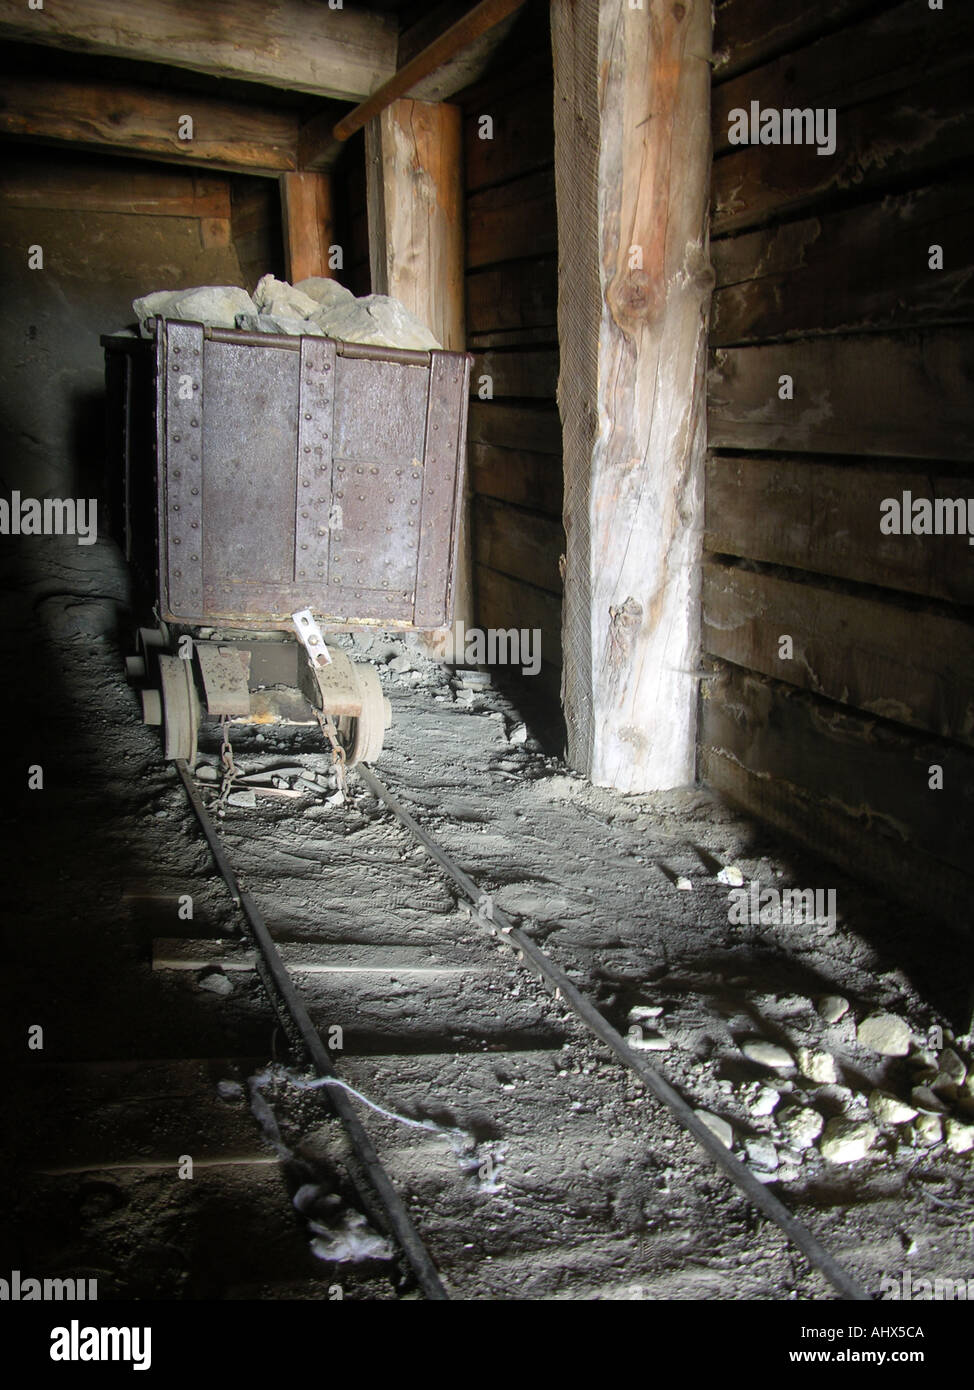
point(446, 50)
point(291, 44)
point(148, 123)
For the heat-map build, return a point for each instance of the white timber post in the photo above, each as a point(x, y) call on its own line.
point(632, 172)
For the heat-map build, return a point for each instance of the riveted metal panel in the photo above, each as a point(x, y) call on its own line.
point(445, 447)
point(315, 515)
point(181, 500)
point(249, 479)
point(378, 434)
point(380, 419)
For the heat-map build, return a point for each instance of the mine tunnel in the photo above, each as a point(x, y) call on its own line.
point(486, 536)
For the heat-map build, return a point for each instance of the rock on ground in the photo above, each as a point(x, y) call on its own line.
point(767, 1054)
point(846, 1141)
point(817, 1066)
point(960, 1137)
point(800, 1126)
point(832, 1007)
point(717, 1126)
point(889, 1110)
point(886, 1034)
point(928, 1130)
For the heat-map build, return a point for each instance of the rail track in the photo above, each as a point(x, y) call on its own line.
point(376, 1189)
point(550, 1169)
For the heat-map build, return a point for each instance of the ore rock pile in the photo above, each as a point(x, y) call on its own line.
point(317, 306)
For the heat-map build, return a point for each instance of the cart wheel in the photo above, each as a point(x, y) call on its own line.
point(180, 708)
point(368, 729)
point(150, 644)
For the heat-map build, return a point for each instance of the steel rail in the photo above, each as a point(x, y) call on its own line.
point(756, 1192)
point(276, 979)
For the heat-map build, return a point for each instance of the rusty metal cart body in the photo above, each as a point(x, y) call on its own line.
point(292, 476)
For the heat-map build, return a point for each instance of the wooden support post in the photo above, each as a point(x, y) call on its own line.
point(306, 214)
point(632, 168)
point(415, 204)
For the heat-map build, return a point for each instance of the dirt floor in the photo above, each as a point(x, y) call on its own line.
point(551, 1174)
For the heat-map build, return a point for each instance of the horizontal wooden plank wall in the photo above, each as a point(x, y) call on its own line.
point(514, 430)
point(841, 701)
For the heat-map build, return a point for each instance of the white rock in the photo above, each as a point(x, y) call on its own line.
point(847, 1141)
point(889, 1110)
point(786, 1173)
point(800, 1126)
point(639, 1012)
point(960, 1137)
point(278, 323)
point(278, 297)
point(216, 982)
point(215, 305)
point(400, 663)
point(153, 305)
point(761, 1153)
point(732, 875)
point(717, 1126)
point(952, 1066)
point(685, 885)
point(765, 1101)
point(943, 1086)
point(324, 291)
point(817, 1066)
point(247, 800)
point(376, 319)
point(928, 1130)
point(924, 1099)
point(767, 1054)
point(647, 1042)
point(886, 1034)
point(519, 734)
point(205, 773)
point(832, 1007)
